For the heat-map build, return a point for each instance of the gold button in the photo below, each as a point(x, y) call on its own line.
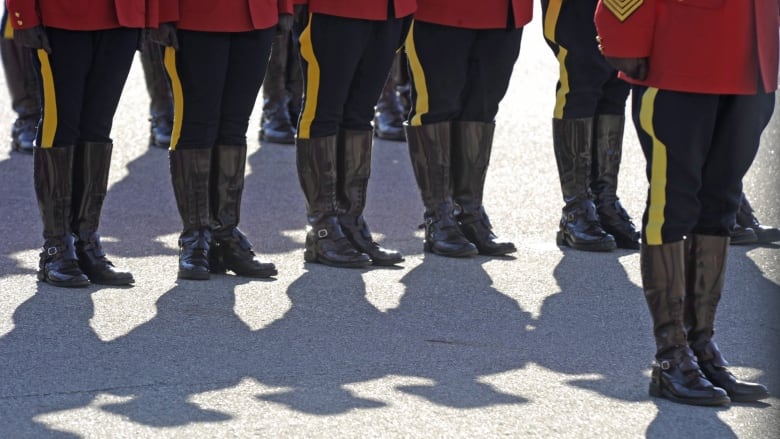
point(18, 15)
point(19, 22)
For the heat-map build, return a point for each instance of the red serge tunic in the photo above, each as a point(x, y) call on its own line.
point(82, 14)
point(697, 46)
point(223, 15)
point(361, 9)
point(471, 14)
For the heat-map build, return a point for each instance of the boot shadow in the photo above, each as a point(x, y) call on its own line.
point(457, 329)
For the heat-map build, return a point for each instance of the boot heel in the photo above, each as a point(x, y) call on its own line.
point(428, 247)
point(309, 255)
point(654, 390)
point(560, 239)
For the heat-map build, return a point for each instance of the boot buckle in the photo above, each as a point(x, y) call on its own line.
point(322, 233)
point(665, 365)
point(51, 251)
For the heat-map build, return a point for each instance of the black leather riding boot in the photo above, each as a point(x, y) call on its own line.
point(471, 146)
point(579, 226)
point(53, 177)
point(607, 151)
point(326, 242)
point(706, 270)
point(190, 174)
point(24, 92)
point(389, 113)
point(230, 249)
point(92, 161)
point(275, 124)
point(430, 147)
point(746, 220)
point(676, 375)
point(354, 170)
point(160, 97)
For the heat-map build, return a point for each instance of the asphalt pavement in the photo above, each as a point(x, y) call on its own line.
point(550, 342)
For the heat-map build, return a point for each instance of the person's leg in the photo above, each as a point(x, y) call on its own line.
point(198, 73)
point(675, 131)
point(62, 78)
point(492, 60)
point(160, 99)
point(331, 48)
point(737, 134)
point(609, 124)
point(355, 136)
point(439, 61)
point(231, 249)
point(112, 56)
point(23, 89)
point(275, 124)
point(567, 29)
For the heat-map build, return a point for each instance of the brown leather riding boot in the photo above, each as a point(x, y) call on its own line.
point(706, 270)
point(676, 375)
point(230, 248)
point(471, 146)
point(354, 170)
point(326, 242)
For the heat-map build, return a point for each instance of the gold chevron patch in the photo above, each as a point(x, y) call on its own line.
point(622, 9)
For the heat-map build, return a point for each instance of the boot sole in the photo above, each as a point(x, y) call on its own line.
point(189, 275)
point(257, 274)
point(467, 252)
point(768, 236)
point(497, 252)
point(81, 283)
point(563, 240)
point(746, 398)
point(386, 263)
point(313, 258)
point(657, 392)
point(627, 244)
point(113, 282)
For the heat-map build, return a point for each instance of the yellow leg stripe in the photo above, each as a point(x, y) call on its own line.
point(312, 83)
point(176, 92)
point(563, 79)
point(658, 169)
point(550, 26)
point(421, 104)
point(551, 19)
point(8, 29)
point(49, 126)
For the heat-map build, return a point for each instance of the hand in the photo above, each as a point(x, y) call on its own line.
point(285, 23)
point(165, 35)
point(635, 68)
point(34, 37)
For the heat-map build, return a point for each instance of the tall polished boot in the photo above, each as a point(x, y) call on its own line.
point(160, 97)
point(746, 221)
point(90, 183)
point(230, 249)
point(354, 170)
point(276, 125)
point(607, 152)
point(24, 92)
point(53, 176)
point(190, 174)
point(430, 147)
point(389, 112)
point(579, 227)
point(326, 242)
point(471, 146)
point(706, 270)
point(676, 374)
